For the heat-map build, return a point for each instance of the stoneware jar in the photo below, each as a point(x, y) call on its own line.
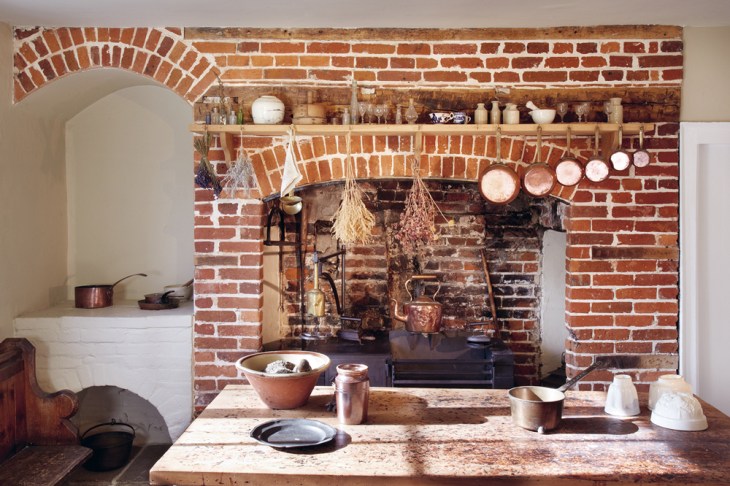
point(511, 114)
point(481, 115)
point(267, 110)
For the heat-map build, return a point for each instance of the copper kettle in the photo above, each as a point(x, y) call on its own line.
point(422, 314)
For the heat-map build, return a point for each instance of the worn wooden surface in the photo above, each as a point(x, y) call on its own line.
point(42, 465)
point(415, 34)
point(438, 436)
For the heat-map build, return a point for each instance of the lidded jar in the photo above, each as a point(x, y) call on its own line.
point(267, 110)
point(352, 391)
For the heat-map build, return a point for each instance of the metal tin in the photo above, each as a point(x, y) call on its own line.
point(352, 392)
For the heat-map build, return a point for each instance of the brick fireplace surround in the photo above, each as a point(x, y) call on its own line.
point(622, 255)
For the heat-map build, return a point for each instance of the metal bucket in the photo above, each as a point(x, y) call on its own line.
point(111, 448)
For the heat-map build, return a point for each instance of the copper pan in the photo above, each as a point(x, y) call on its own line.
point(499, 184)
point(97, 296)
point(597, 168)
point(620, 159)
point(641, 156)
point(569, 170)
point(538, 179)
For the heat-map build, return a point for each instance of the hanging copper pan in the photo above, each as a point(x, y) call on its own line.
point(538, 179)
point(499, 184)
point(597, 168)
point(568, 170)
point(620, 159)
point(641, 156)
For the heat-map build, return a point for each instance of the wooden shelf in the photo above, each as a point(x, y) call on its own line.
point(525, 130)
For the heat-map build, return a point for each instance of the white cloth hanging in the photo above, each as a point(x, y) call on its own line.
point(291, 175)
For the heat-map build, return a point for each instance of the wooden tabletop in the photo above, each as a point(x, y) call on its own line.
point(444, 436)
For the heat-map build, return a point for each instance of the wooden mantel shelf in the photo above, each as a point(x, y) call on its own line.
point(525, 130)
point(578, 129)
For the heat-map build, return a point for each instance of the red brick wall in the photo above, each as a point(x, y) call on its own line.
point(622, 255)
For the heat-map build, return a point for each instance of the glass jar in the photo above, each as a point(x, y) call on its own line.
point(411, 113)
point(352, 391)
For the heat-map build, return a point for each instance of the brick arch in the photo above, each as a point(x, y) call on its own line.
point(43, 55)
point(321, 159)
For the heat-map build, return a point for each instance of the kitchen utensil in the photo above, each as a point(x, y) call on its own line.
point(422, 314)
point(540, 408)
point(679, 411)
point(544, 116)
point(620, 159)
point(282, 391)
point(441, 117)
point(172, 304)
point(352, 391)
point(97, 296)
point(622, 399)
point(596, 169)
point(531, 106)
point(499, 184)
point(158, 297)
point(538, 179)
point(666, 383)
point(315, 297)
point(291, 433)
point(181, 292)
point(310, 110)
point(291, 204)
point(568, 170)
point(641, 156)
point(111, 447)
point(485, 338)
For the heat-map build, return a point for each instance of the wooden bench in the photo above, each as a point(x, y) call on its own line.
point(38, 444)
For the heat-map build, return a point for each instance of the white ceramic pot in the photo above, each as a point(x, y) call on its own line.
point(679, 411)
point(267, 110)
point(666, 383)
point(622, 399)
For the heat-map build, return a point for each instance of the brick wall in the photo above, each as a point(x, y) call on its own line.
point(622, 234)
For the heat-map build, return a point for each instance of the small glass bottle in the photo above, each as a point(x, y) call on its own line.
point(346, 120)
point(232, 118)
point(239, 115)
point(352, 391)
point(617, 111)
point(398, 115)
point(495, 115)
point(411, 113)
point(353, 102)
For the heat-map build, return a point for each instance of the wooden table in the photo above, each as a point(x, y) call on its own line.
point(444, 436)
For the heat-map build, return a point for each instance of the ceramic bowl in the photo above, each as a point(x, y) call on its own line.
point(664, 384)
point(283, 391)
point(441, 116)
point(542, 117)
point(679, 411)
point(622, 399)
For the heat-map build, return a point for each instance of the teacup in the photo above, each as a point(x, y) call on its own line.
point(441, 116)
point(461, 118)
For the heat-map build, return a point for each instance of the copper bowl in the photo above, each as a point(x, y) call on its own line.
point(283, 391)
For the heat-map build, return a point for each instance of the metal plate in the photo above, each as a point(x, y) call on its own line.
point(288, 433)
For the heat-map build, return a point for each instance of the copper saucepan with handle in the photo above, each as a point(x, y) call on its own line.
point(97, 296)
point(620, 159)
point(596, 169)
point(641, 156)
point(568, 170)
point(499, 184)
point(538, 179)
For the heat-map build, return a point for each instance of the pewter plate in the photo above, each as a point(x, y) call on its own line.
point(288, 433)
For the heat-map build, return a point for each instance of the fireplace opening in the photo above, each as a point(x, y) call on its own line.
point(512, 237)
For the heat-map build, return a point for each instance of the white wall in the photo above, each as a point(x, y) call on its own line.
point(705, 93)
point(130, 179)
point(32, 201)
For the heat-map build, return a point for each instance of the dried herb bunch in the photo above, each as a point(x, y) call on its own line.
point(240, 176)
point(417, 225)
point(205, 176)
point(353, 222)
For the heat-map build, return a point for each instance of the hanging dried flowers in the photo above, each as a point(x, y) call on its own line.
point(353, 222)
point(417, 225)
point(240, 176)
point(205, 177)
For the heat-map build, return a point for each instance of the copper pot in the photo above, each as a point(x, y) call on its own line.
point(568, 170)
point(641, 156)
point(422, 314)
point(538, 179)
point(597, 169)
point(97, 296)
point(499, 184)
point(620, 159)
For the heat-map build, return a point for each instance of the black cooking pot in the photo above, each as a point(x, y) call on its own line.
point(111, 448)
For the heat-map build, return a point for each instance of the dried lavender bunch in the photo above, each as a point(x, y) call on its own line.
point(205, 176)
point(240, 176)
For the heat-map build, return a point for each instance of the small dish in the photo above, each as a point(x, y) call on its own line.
point(441, 117)
point(290, 433)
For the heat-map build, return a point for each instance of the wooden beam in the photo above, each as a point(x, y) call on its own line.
point(385, 34)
